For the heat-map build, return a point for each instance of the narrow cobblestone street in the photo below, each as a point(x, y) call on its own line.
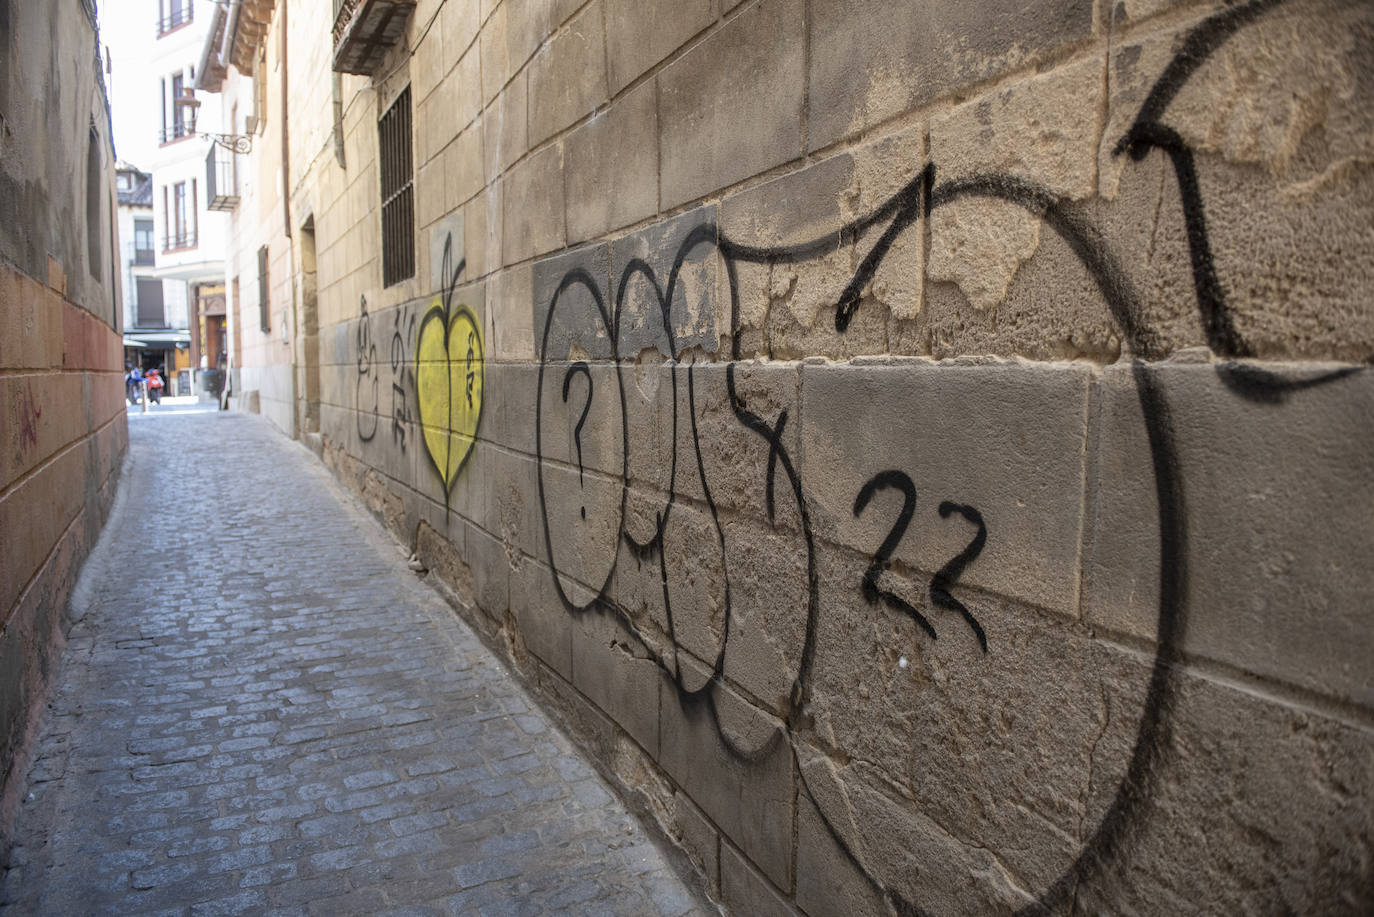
point(264, 711)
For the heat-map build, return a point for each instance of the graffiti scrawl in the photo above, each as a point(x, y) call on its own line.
point(584, 569)
point(449, 378)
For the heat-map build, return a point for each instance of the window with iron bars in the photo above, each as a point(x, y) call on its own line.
point(173, 13)
point(398, 202)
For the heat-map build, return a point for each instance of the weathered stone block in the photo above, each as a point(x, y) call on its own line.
point(1031, 132)
point(582, 513)
point(643, 265)
point(914, 54)
point(545, 626)
point(497, 66)
point(998, 441)
point(1275, 202)
point(511, 333)
point(533, 221)
point(1025, 714)
point(491, 570)
point(453, 104)
point(507, 127)
point(1292, 832)
point(745, 786)
point(1275, 500)
point(829, 882)
point(463, 175)
point(40, 417)
point(568, 75)
point(769, 600)
point(512, 512)
point(745, 891)
point(30, 323)
point(579, 325)
point(698, 838)
point(639, 34)
point(618, 674)
point(458, 23)
point(611, 166)
point(714, 128)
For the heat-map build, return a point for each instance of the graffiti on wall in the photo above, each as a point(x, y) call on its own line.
point(698, 606)
point(365, 388)
point(435, 383)
point(448, 378)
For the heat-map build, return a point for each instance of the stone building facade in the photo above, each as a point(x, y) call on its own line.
point(923, 448)
point(62, 424)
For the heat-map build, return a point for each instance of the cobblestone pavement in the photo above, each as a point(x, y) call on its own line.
point(272, 714)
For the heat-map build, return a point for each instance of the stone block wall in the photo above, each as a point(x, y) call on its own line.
point(924, 448)
point(62, 424)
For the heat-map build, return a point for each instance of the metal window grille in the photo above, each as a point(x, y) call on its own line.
point(264, 309)
point(398, 202)
point(174, 14)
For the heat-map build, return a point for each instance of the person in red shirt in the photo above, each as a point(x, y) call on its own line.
point(154, 386)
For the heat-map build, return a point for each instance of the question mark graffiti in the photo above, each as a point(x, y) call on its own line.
point(579, 367)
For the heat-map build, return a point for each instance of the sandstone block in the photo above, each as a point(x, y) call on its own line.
point(580, 327)
point(642, 266)
point(463, 176)
point(699, 838)
point(1275, 500)
point(533, 219)
point(716, 130)
point(1032, 131)
point(568, 75)
point(544, 624)
point(746, 891)
point(512, 512)
point(640, 34)
point(1002, 440)
point(749, 800)
point(511, 336)
point(829, 882)
point(491, 570)
point(507, 127)
point(915, 54)
point(616, 673)
point(1294, 782)
point(611, 166)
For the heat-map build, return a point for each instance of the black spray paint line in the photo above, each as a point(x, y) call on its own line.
point(579, 367)
point(367, 356)
point(1105, 848)
point(1147, 132)
point(949, 573)
point(882, 558)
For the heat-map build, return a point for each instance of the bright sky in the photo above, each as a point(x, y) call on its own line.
point(128, 28)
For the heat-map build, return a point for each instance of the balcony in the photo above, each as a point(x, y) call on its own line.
point(175, 132)
point(221, 179)
point(178, 241)
point(175, 19)
point(364, 30)
point(143, 257)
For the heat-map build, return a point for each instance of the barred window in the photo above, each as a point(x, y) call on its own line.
point(398, 204)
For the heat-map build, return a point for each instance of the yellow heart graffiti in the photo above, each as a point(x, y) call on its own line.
point(448, 384)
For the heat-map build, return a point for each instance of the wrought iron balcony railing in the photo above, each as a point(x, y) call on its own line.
point(177, 16)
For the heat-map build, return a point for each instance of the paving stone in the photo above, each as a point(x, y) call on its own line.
point(282, 719)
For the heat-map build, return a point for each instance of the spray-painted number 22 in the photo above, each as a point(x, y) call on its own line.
point(947, 575)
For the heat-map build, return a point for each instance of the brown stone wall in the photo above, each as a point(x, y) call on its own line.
point(924, 447)
point(62, 425)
